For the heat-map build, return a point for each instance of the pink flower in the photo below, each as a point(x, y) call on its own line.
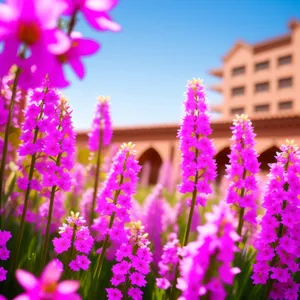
point(3, 273)
point(138, 279)
point(32, 23)
point(47, 286)
point(95, 12)
point(61, 245)
point(83, 262)
point(135, 293)
point(114, 294)
point(79, 47)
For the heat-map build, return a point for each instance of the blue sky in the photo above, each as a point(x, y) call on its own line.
point(164, 43)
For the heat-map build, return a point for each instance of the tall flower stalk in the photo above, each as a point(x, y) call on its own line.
point(197, 152)
point(133, 264)
point(242, 170)
point(60, 146)
point(31, 146)
point(277, 260)
point(74, 238)
point(115, 201)
point(206, 266)
point(6, 136)
point(100, 136)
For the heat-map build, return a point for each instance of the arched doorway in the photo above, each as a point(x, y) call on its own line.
point(267, 157)
point(222, 160)
point(151, 163)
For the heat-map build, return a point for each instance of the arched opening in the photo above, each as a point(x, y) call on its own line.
point(267, 157)
point(222, 160)
point(151, 163)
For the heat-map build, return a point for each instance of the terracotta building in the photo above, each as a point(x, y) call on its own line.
point(261, 80)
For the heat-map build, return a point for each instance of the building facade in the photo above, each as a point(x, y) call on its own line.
point(261, 80)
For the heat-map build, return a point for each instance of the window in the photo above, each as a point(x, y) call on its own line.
point(285, 60)
point(262, 108)
point(237, 91)
point(238, 71)
point(285, 82)
point(262, 65)
point(262, 87)
point(237, 111)
point(285, 105)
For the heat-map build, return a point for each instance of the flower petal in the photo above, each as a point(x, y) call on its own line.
point(68, 287)
point(22, 297)
point(51, 273)
point(107, 24)
point(26, 280)
point(57, 42)
point(78, 67)
point(103, 5)
point(87, 47)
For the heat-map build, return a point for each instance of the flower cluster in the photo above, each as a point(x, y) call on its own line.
point(197, 150)
point(74, 236)
point(35, 42)
point(168, 263)
point(4, 253)
point(47, 286)
point(114, 200)
point(206, 264)
point(48, 134)
point(101, 133)
point(279, 241)
point(243, 167)
point(134, 258)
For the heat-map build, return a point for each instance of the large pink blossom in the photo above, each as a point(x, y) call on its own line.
point(47, 286)
point(72, 56)
point(95, 12)
point(33, 24)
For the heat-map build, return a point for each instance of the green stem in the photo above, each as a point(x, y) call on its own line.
point(241, 221)
point(49, 218)
point(72, 250)
point(186, 233)
point(191, 213)
point(27, 193)
point(72, 22)
point(100, 259)
point(242, 209)
point(47, 235)
point(96, 178)
point(6, 135)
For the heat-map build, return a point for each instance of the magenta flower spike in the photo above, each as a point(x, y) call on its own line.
point(169, 260)
point(114, 201)
point(75, 238)
point(197, 151)
point(47, 286)
point(213, 251)
point(99, 137)
point(31, 23)
point(278, 243)
point(133, 264)
point(95, 12)
point(242, 171)
point(101, 132)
